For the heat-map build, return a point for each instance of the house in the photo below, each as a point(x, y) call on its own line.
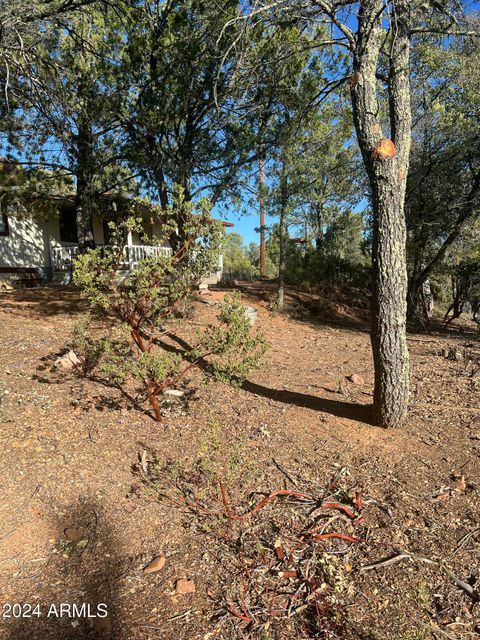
point(39, 250)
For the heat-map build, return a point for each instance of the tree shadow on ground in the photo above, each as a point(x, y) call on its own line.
point(44, 301)
point(84, 570)
point(349, 410)
point(463, 329)
point(340, 409)
point(49, 374)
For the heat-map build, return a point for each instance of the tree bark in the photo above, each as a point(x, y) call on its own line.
point(282, 232)
point(386, 161)
point(85, 192)
point(263, 248)
point(318, 225)
point(183, 180)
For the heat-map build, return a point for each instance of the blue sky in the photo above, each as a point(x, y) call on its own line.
point(246, 224)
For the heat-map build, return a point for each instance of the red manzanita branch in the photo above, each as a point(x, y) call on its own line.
point(340, 507)
point(274, 494)
point(171, 381)
point(358, 500)
point(236, 613)
point(226, 506)
point(340, 536)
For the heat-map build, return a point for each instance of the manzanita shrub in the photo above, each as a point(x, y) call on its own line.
point(139, 307)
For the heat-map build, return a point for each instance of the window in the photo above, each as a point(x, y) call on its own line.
point(68, 225)
point(3, 224)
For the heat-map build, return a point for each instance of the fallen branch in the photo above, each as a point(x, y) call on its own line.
point(236, 613)
point(461, 584)
point(469, 590)
point(274, 494)
point(463, 541)
point(385, 563)
point(338, 506)
point(285, 472)
point(340, 536)
point(433, 629)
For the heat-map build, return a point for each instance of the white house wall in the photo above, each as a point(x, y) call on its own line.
point(29, 243)
point(26, 244)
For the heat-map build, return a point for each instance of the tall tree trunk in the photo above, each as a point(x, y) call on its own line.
point(263, 249)
point(282, 232)
point(318, 225)
point(183, 180)
point(85, 192)
point(157, 170)
point(388, 335)
point(386, 161)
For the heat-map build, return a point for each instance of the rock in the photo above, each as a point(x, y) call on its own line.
point(68, 361)
point(356, 379)
point(251, 314)
point(155, 565)
point(74, 534)
point(174, 392)
point(184, 587)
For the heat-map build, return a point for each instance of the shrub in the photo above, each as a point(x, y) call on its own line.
point(87, 346)
point(139, 304)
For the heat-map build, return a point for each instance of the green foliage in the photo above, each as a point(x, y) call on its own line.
point(88, 347)
point(236, 255)
point(443, 195)
point(235, 351)
point(181, 128)
point(140, 303)
point(240, 261)
point(340, 256)
point(465, 290)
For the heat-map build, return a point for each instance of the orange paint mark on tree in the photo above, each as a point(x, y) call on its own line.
point(385, 149)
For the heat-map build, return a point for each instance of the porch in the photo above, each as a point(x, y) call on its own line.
point(62, 256)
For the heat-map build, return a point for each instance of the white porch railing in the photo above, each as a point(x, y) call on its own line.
point(62, 256)
point(136, 252)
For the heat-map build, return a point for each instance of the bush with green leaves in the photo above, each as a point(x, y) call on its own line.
point(88, 347)
point(139, 305)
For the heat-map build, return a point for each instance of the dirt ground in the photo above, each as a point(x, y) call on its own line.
point(88, 482)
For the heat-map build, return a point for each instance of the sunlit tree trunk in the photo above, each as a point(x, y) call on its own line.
point(282, 232)
point(386, 160)
point(263, 247)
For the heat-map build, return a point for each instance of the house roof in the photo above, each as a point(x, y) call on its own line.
point(224, 222)
point(68, 199)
